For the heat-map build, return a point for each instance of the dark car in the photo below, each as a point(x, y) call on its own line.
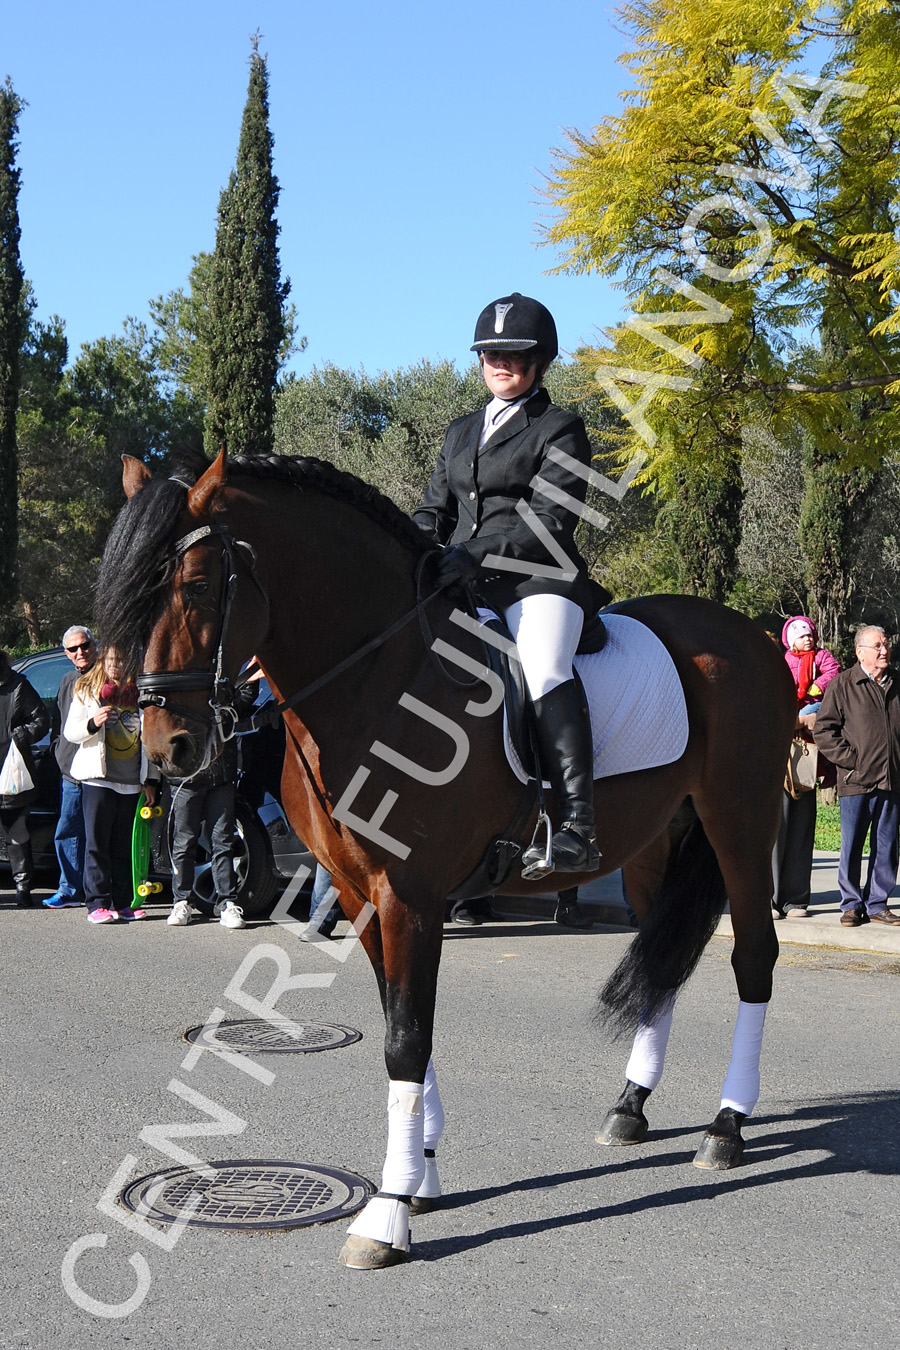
point(267, 851)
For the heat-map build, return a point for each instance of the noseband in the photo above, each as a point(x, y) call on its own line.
point(154, 687)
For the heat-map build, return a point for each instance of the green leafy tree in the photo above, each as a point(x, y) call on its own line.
point(246, 294)
point(421, 402)
point(74, 424)
point(386, 428)
point(11, 328)
point(183, 336)
point(740, 203)
point(181, 321)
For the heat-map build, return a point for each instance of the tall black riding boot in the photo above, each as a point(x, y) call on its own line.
point(567, 751)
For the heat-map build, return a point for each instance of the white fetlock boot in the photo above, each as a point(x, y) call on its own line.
point(380, 1235)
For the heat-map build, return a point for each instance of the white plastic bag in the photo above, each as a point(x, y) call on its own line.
point(14, 776)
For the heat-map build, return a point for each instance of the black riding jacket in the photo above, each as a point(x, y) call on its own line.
point(472, 497)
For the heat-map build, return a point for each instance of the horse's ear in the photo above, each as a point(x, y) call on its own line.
point(135, 475)
point(202, 495)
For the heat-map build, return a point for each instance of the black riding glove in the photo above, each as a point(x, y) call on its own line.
point(456, 566)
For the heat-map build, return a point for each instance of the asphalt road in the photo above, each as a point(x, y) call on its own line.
point(544, 1238)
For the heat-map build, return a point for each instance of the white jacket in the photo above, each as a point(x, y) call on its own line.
point(90, 757)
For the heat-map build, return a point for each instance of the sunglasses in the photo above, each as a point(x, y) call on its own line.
point(80, 647)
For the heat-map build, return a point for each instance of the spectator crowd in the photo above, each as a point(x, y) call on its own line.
point(106, 778)
point(846, 741)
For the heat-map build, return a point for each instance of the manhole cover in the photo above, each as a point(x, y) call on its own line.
point(249, 1195)
point(256, 1034)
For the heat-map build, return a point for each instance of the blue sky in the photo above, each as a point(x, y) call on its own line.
point(410, 145)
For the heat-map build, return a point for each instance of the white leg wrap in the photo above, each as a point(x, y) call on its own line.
point(434, 1111)
point(384, 1219)
point(430, 1188)
point(648, 1053)
point(404, 1166)
point(741, 1090)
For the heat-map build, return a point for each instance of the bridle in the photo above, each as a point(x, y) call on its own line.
point(154, 687)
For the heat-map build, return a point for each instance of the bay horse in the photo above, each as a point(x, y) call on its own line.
point(396, 778)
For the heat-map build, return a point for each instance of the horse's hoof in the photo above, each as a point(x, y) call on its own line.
point(718, 1153)
point(362, 1253)
point(620, 1128)
point(423, 1204)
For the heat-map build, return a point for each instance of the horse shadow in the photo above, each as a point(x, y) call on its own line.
point(859, 1132)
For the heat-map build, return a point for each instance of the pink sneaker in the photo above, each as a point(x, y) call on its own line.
point(127, 915)
point(102, 916)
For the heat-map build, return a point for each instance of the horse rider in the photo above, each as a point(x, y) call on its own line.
point(501, 530)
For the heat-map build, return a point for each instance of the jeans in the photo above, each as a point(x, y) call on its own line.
point(69, 841)
point(881, 810)
point(108, 826)
point(323, 906)
point(190, 807)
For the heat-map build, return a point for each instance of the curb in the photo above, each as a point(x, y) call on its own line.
point(823, 929)
point(603, 903)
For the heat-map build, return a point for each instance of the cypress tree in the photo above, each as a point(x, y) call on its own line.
point(702, 519)
point(247, 296)
point(11, 332)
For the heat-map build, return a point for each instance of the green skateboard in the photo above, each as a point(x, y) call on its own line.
point(140, 852)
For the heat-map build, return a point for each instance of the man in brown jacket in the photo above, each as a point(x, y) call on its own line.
point(858, 729)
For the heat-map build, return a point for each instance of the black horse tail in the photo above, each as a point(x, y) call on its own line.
point(672, 938)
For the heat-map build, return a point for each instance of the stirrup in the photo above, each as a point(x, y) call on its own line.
point(537, 859)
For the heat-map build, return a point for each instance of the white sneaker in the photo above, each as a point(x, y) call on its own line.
point(181, 914)
point(230, 914)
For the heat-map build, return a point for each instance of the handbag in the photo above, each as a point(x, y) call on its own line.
point(802, 768)
point(14, 776)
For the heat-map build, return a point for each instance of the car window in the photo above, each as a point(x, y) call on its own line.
point(45, 674)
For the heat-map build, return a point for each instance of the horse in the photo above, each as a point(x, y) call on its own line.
point(396, 778)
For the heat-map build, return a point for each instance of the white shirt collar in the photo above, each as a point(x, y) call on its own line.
point(499, 411)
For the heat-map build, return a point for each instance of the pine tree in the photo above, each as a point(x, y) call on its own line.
point(11, 329)
point(247, 296)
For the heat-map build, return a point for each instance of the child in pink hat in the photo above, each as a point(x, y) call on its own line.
point(813, 668)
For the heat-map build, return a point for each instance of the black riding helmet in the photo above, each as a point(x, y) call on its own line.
point(516, 323)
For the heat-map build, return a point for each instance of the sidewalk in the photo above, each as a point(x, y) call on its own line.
point(602, 901)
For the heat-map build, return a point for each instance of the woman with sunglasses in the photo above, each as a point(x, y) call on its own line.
point(502, 533)
point(68, 839)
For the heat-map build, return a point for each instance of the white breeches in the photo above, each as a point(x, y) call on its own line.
point(547, 630)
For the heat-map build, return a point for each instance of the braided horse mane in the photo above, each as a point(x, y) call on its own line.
point(138, 560)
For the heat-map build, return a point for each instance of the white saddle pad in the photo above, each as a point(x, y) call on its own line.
point(638, 714)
